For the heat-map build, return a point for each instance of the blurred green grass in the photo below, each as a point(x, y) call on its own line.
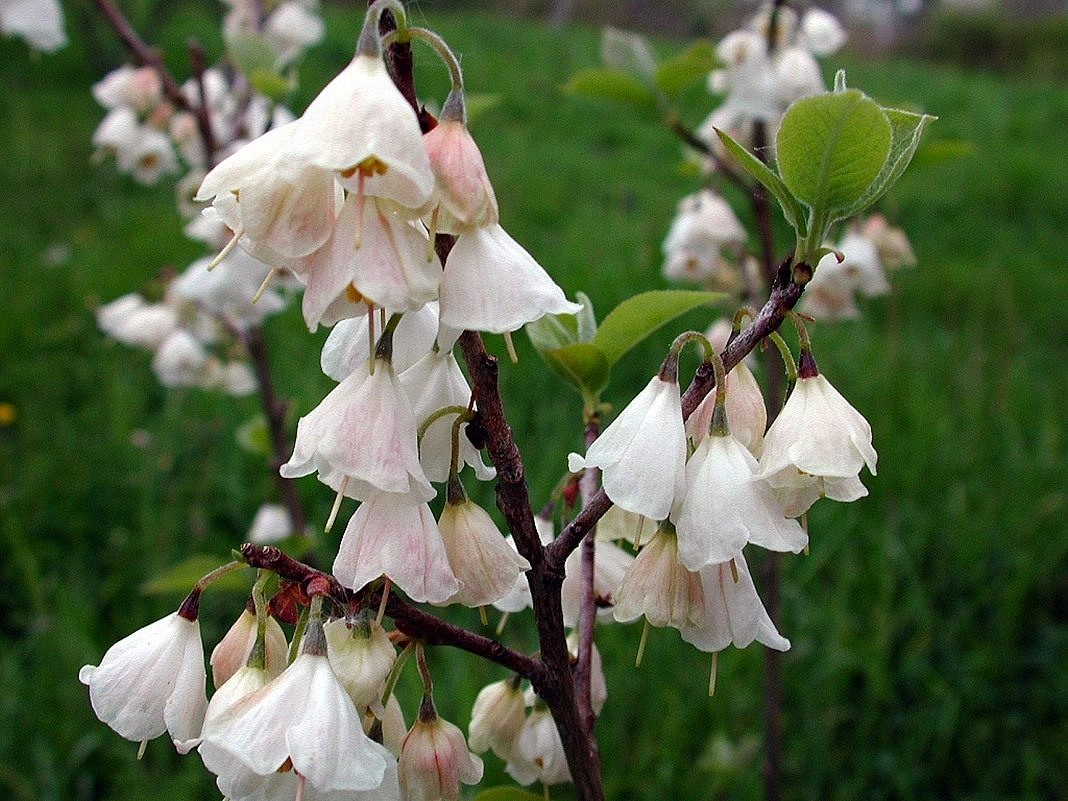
point(929, 622)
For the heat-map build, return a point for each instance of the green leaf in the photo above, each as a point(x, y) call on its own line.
point(691, 65)
point(629, 53)
point(791, 209)
point(640, 315)
point(831, 147)
point(581, 364)
point(270, 84)
point(906, 130)
point(610, 84)
point(507, 794)
point(180, 578)
point(553, 331)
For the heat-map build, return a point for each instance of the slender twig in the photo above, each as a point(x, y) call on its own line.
point(589, 484)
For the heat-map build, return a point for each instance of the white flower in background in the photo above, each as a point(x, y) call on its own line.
point(496, 718)
point(361, 438)
point(152, 681)
point(436, 382)
point(538, 754)
point(226, 290)
point(610, 565)
point(734, 614)
point(181, 360)
point(816, 447)
point(39, 22)
point(117, 133)
point(434, 759)
point(725, 507)
point(486, 566)
point(270, 524)
point(395, 535)
point(292, 28)
point(821, 33)
point(642, 453)
point(893, 246)
point(361, 127)
point(704, 227)
point(492, 284)
point(598, 685)
point(362, 656)
point(139, 88)
point(233, 650)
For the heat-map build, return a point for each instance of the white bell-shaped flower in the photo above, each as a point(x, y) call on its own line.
point(658, 587)
point(362, 438)
point(816, 447)
point(725, 507)
point(362, 655)
point(303, 719)
point(538, 754)
point(733, 612)
point(610, 565)
point(395, 535)
point(642, 453)
point(432, 383)
point(486, 566)
point(373, 256)
point(492, 284)
point(496, 718)
point(347, 347)
point(362, 127)
point(152, 681)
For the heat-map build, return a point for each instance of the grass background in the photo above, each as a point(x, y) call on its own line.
point(929, 622)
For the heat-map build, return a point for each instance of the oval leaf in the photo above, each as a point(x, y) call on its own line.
point(582, 364)
point(830, 148)
point(611, 84)
point(637, 317)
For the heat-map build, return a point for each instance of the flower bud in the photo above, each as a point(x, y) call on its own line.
point(233, 650)
point(496, 718)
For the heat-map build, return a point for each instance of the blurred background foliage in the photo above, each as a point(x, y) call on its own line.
point(929, 622)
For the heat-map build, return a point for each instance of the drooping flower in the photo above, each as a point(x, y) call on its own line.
point(725, 507)
point(362, 655)
point(745, 409)
point(361, 438)
point(538, 754)
point(733, 611)
point(496, 718)
point(817, 446)
point(492, 284)
point(658, 587)
point(304, 720)
point(435, 760)
point(233, 650)
point(642, 453)
point(486, 566)
point(610, 564)
point(361, 127)
point(152, 681)
point(347, 346)
point(395, 535)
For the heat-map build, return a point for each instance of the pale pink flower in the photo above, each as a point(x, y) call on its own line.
point(233, 650)
point(642, 453)
point(373, 256)
point(140, 88)
point(733, 611)
point(362, 656)
point(435, 760)
point(395, 535)
point(745, 409)
point(463, 191)
point(483, 562)
point(492, 284)
point(362, 438)
point(658, 587)
point(152, 681)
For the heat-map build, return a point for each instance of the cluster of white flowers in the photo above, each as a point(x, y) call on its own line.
point(717, 483)
point(39, 22)
point(868, 250)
